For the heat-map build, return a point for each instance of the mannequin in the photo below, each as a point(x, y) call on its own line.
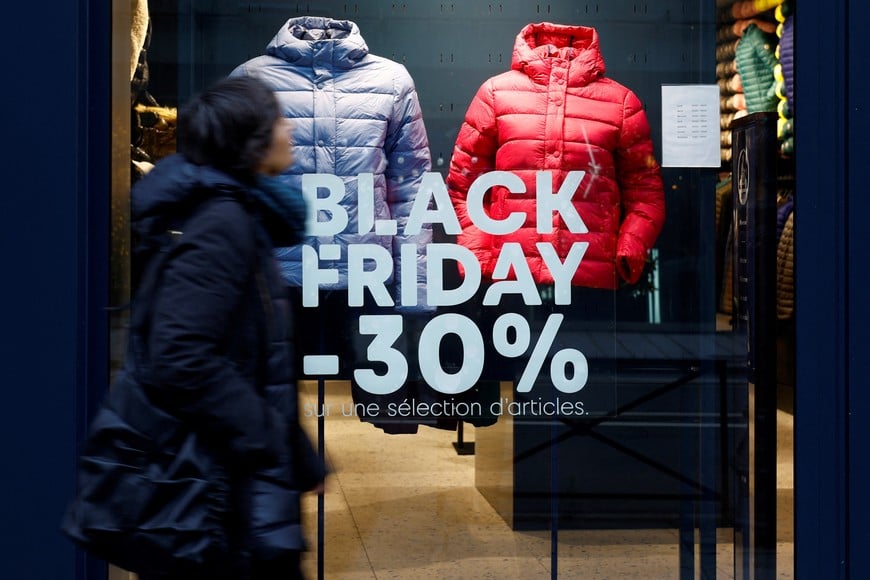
point(555, 111)
point(554, 119)
point(355, 114)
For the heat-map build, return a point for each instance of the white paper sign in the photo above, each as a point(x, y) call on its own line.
point(690, 126)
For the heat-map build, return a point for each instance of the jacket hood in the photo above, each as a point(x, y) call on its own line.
point(538, 45)
point(174, 185)
point(303, 40)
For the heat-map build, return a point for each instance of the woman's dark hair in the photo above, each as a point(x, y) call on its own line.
point(229, 125)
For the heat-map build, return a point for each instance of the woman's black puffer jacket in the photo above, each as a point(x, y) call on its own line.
point(217, 344)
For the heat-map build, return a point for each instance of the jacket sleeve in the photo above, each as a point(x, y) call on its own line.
point(408, 158)
point(641, 192)
point(204, 282)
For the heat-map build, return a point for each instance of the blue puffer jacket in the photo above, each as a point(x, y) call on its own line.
point(353, 113)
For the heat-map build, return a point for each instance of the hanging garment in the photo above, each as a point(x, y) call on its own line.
point(756, 61)
point(785, 270)
point(786, 58)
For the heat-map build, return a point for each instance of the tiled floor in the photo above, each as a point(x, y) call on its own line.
point(406, 507)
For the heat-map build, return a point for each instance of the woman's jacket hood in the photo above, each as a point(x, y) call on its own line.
point(175, 186)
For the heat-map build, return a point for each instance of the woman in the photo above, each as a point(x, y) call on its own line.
point(215, 346)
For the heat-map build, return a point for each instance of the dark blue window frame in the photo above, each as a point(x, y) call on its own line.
point(57, 175)
point(55, 224)
point(832, 398)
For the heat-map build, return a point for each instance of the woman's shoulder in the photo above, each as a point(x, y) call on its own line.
point(223, 217)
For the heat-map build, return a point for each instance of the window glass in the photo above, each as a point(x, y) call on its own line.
point(522, 314)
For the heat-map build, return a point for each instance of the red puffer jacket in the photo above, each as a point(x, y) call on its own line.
point(555, 111)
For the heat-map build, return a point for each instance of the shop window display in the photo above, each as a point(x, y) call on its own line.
point(579, 356)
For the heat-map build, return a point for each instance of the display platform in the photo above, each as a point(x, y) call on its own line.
point(658, 414)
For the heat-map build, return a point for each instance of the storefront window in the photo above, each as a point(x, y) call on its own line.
point(537, 333)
